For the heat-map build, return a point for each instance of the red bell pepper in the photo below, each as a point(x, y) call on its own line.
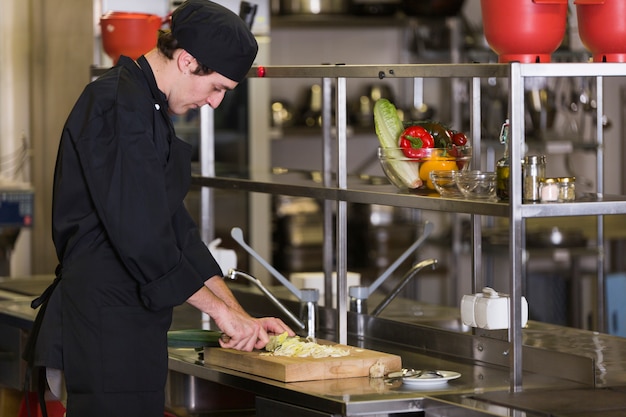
point(413, 141)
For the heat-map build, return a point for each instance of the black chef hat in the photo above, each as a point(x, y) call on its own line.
point(216, 37)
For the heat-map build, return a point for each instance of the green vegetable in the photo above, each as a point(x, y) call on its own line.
point(389, 128)
point(388, 125)
point(193, 338)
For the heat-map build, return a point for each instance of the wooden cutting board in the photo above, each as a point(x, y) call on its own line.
point(287, 369)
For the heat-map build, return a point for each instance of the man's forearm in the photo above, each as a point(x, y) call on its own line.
point(218, 287)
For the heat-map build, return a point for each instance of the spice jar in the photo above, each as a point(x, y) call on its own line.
point(533, 172)
point(567, 188)
point(549, 190)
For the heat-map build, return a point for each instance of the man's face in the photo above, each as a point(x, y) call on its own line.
point(193, 91)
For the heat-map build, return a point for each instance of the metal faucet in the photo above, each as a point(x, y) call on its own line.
point(360, 294)
point(308, 302)
point(405, 279)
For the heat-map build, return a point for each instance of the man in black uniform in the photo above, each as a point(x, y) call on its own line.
point(128, 250)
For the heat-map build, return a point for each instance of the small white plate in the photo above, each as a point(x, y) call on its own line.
point(427, 380)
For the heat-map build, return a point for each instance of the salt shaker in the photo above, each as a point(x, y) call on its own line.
point(534, 171)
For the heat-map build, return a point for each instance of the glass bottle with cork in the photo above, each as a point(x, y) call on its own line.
point(503, 165)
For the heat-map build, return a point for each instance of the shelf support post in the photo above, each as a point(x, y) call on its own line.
point(601, 324)
point(342, 214)
point(516, 242)
point(327, 167)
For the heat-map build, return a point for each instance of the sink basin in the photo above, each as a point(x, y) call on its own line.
point(441, 317)
point(451, 324)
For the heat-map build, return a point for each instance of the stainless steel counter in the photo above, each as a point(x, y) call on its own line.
point(364, 396)
point(560, 360)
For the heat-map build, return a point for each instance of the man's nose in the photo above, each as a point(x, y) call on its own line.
point(214, 100)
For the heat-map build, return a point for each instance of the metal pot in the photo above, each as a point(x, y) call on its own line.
point(313, 6)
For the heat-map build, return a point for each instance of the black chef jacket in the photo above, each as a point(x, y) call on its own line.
point(129, 250)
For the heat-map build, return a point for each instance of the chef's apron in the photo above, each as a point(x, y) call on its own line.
point(92, 314)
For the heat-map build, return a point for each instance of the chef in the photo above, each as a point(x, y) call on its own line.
point(128, 249)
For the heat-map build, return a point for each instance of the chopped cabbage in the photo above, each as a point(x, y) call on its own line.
point(296, 347)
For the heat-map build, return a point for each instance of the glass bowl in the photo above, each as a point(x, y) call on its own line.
point(414, 173)
point(445, 183)
point(477, 185)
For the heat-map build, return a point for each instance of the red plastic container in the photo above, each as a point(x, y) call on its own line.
point(602, 28)
point(130, 34)
point(527, 31)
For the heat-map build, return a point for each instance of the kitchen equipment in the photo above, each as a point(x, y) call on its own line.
point(247, 12)
point(567, 189)
point(549, 190)
point(289, 369)
point(414, 173)
point(602, 28)
point(129, 34)
point(503, 165)
point(533, 172)
point(374, 7)
point(308, 302)
point(313, 6)
point(315, 280)
point(415, 269)
point(362, 108)
point(425, 378)
point(445, 183)
point(281, 114)
point(524, 30)
point(432, 8)
point(195, 338)
point(477, 185)
point(360, 294)
point(311, 110)
point(542, 109)
point(489, 310)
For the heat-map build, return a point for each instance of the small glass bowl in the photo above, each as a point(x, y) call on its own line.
point(477, 185)
point(445, 183)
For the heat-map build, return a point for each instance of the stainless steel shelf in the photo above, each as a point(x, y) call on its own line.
point(355, 193)
point(361, 192)
point(587, 205)
point(339, 70)
point(473, 70)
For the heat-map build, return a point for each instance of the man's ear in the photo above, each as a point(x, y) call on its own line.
point(186, 62)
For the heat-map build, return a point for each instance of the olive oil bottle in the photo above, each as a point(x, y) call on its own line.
point(503, 165)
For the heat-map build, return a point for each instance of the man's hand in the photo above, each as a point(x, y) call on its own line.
point(247, 333)
point(244, 332)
